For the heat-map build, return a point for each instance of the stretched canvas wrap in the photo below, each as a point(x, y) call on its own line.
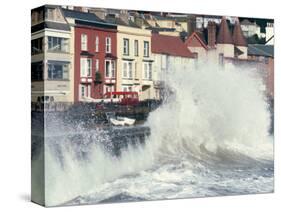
point(141, 105)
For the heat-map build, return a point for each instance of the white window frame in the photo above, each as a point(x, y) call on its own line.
point(136, 48)
point(97, 43)
point(128, 72)
point(108, 45)
point(146, 48)
point(126, 46)
point(84, 42)
point(85, 67)
point(97, 65)
point(112, 67)
point(127, 88)
point(89, 90)
point(147, 71)
point(84, 91)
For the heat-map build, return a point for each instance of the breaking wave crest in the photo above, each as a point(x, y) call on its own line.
point(212, 117)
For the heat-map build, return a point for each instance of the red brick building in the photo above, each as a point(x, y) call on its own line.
point(94, 57)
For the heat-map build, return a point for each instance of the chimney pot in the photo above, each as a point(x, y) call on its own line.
point(211, 34)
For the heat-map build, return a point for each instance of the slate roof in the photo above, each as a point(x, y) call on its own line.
point(224, 36)
point(161, 29)
point(82, 15)
point(247, 22)
point(170, 45)
point(261, 50)
point(50, 25)
point(119, 21)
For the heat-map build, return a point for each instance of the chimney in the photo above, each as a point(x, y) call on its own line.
point(100, 12)
point(124, 16)
point(211, 34)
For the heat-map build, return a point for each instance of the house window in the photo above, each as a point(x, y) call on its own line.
point(127, 69)
point(147, 71)
point(51, 14)
point(37, 17)
point(146, 49)
point(58, 70)
point(97, 65)
point(126, 46)
point(109, 88)
point(56, 44)
point(136, 70)
point(37, 46)
point(84, 41)
point(86, 67)
point(136, 47)
point(97, 43)
point(126, 88)
point(110, 68)
point(107, 45)
point(37, 71)
point(85, 91)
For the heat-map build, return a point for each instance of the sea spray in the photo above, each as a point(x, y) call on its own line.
point(213, 108)
point(212, 127)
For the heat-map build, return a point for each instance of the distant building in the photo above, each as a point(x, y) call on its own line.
point(222, 43)
point(52, 72)
point(269, 33)
point(263, 56)
point(250, 29)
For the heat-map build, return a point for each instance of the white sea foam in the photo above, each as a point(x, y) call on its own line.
point(214, 118)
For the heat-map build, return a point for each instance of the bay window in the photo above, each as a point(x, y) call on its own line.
point(57, 44)
point(37, 46)
point(58, 70)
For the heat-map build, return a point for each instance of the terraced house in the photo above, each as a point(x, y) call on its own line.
point(134, 61)
point(95, 55)
point(51, 68)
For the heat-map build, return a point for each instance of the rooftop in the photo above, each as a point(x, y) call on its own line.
point(261, 50)
point(170, 45)
point(224, 36)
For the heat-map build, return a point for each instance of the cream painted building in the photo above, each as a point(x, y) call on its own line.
point(134, 63)
point(168, 59)
point(52, 51)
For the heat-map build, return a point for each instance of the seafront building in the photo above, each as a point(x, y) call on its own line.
point(169, 53)
point(79, 54)
point(52, 51)
point(95, 55)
